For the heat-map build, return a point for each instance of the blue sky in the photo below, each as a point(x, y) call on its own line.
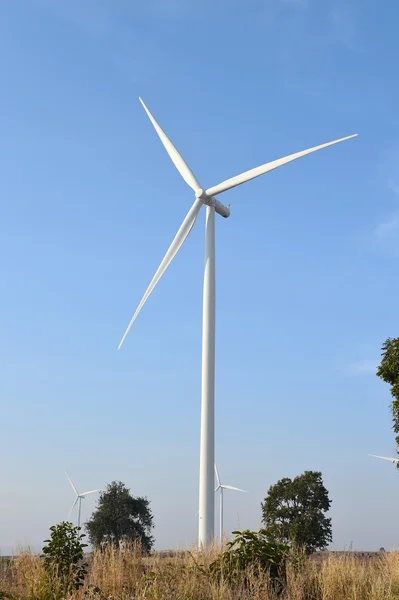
point(307, 263)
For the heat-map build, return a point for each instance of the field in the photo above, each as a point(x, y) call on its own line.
point(126, 575)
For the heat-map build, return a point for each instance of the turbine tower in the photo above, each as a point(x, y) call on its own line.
point(221, 486)
point(206, 197)
point(78, 499)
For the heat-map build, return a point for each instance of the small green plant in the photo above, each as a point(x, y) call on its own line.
point(63, 556)
point(251, 551)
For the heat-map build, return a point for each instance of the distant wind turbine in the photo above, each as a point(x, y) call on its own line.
point(78, 499)
point(393, 460)
point(206, 197)
point(221, 486)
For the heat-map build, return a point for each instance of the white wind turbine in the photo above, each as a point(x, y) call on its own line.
point(221, 486)
point(78, 499)
point(393, 460)
point(206, 197)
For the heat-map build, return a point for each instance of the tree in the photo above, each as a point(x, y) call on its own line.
point(63, 556)
point(388, 371)
point(293, 512)
point(121, 517)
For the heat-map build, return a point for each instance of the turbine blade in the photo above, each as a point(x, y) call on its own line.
point(73, 506)
point(252, 173)
point(218, 487)
point(197, 513)
point(91, 492)
point(230, 487)
point(173, 249)
point(175, 156)
point(394, 460)
point(217, 475)
point(70, 481)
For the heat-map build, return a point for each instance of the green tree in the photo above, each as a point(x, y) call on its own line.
point(119, 516)
point(63, 556)
point(388, 371)
point(293, 512)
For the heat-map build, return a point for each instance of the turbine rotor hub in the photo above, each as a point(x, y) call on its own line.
point(222, 210)
point(201, 195)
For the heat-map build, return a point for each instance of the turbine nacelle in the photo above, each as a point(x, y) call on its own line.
point(220, 208)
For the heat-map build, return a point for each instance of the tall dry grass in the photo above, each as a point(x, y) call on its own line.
point(25, 577)
point(345, 577)
point(127, 575)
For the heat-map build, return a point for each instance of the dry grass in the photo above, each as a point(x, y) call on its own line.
point(126, 575)
point(25, 577)
point(346, 577)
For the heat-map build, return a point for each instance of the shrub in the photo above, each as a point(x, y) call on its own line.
point(254, 552)
point(63, 556)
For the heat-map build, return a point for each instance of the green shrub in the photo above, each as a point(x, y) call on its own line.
point(63, 556)
point(251, 551)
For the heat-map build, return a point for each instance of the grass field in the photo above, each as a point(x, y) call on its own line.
point(126, 575)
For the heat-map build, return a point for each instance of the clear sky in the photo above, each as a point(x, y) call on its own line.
point(307, 264)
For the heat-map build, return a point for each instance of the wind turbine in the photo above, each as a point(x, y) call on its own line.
point(206, 197)
point(78, 499)
point(393, 460)
point(221, 486)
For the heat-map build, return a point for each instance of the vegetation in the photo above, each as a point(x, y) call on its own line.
point(274, 563)
point(388, 371)
point(251, 552)
point(63, 557)
point(293, 512)
point(121, 518)
point(125, 574)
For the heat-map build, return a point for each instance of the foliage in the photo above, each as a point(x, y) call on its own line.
point(388, 371)
point(120, 517)
point(63, 556)
point(326, 576)
point(293, 512)
point(251, 551)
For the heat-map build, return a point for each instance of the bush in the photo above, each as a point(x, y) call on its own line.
point(254, 552)
point(63, 557)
